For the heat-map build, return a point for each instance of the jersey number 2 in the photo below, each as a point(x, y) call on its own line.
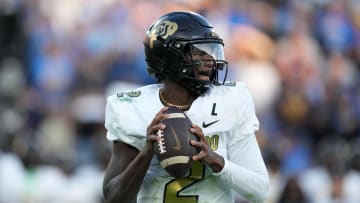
point(174, 187)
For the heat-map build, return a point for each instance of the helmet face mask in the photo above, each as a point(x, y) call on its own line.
point(208, 56)
point(182, 47)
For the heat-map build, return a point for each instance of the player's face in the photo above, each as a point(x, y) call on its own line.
point(204, 64)
point(204, 57)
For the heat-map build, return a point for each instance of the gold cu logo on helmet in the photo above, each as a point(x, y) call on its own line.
point(163, 30)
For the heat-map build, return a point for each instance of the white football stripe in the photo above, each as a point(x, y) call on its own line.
point(176, 115)
point(174, 160)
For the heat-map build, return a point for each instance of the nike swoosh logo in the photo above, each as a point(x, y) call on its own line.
point(177, 141)
point(205, 125)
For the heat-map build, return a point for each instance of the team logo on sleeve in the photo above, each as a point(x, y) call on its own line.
point(128, 96)
point(230, 83)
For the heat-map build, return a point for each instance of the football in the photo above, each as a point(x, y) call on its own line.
point(174, 150)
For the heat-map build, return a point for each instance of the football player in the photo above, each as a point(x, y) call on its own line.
point(185, 54)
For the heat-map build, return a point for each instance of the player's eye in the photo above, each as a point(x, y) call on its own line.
point(199, 53)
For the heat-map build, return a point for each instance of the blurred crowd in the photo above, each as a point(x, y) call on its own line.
point(60, 59)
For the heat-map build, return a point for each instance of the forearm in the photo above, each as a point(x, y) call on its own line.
point(125, 186)
point(244, 171)
point(253, 185)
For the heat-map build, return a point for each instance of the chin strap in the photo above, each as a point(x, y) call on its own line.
point(196, 87)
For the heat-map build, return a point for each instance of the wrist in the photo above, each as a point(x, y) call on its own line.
point(218, 164)
point(148, 150)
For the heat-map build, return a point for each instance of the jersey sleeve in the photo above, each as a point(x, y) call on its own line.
point(248, 122)
point(244, 169)
point(115, 124)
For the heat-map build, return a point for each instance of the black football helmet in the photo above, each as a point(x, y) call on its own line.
point(169, 46)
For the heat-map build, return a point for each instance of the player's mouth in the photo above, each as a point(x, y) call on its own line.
point(204, 75)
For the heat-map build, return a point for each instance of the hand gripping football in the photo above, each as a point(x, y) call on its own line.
point(174, 150)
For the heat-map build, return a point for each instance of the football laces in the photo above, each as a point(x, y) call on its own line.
point(161, 142)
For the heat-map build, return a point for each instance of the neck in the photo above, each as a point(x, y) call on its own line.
point(176, 95)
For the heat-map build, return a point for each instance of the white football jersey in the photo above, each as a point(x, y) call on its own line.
point(226, 115)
